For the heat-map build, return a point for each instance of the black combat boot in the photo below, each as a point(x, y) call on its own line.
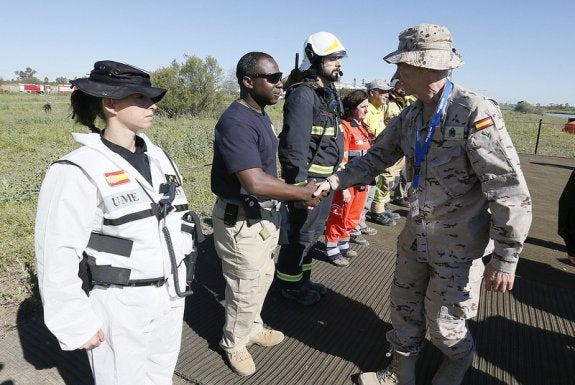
point(451, 372)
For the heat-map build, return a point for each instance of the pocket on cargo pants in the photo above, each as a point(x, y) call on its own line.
point(452, 298)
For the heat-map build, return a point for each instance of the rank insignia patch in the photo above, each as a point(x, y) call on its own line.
point(453, 132)
point(117, 177)
point(483, 123)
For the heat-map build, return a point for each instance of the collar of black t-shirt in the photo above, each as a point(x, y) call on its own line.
point(138, 159)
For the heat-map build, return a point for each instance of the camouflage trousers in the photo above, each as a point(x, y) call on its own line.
point(434, 297)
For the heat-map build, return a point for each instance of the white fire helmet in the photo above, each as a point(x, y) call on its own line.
point(320, 44)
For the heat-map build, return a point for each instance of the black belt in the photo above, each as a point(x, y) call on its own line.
point(137, 282)
point(266, 204)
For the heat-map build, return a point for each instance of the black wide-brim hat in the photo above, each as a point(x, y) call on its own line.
point(110, 79)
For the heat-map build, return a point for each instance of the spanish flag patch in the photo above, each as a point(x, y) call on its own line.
point(117, 177)
point(483, 123)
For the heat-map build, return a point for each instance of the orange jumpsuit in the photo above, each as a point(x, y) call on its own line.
point(343, 217)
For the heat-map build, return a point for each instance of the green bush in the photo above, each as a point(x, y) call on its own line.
point(192, 86)
point(527, 108)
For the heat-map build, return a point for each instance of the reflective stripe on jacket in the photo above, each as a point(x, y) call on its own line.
point(310, 144)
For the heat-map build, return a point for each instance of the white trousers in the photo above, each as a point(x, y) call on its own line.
point(143, 329)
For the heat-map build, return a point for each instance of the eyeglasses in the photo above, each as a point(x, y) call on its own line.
point(380, 91)
point(272, 78)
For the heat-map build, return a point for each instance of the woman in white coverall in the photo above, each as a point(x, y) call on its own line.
point(112, 227)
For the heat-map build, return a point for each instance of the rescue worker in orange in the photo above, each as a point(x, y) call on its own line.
point(347, 204)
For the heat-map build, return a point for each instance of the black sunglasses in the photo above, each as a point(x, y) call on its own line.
point(272, 78)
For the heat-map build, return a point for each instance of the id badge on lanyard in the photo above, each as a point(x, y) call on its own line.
point(414, 205)
point(421, 148)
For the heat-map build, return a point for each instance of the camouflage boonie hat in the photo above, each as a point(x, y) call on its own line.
point(427, 46)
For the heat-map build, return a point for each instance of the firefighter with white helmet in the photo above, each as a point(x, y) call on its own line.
point(310, 147)
point(321, 44)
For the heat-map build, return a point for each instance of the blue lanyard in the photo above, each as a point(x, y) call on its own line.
point(421, 149)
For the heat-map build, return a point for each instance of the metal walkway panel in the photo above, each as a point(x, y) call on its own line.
point(523, 337)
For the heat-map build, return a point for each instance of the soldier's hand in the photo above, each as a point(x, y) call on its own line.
point(497, 280)
point(322, 189)
point(95, 341)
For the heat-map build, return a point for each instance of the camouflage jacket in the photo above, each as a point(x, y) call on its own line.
point(473, 198)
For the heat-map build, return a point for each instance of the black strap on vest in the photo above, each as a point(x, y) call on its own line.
point(106, 275)
point(161, 209)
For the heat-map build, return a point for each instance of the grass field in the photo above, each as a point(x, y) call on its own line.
point(30, 140)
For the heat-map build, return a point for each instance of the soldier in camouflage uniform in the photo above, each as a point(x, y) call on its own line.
point(468, 200)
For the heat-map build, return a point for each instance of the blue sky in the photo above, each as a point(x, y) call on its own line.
point(513, 50)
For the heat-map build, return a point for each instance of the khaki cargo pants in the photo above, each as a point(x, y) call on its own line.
point(248, 269)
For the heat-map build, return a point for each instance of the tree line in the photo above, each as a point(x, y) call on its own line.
point(196, 87)
point(199, 87)
point(525, 107)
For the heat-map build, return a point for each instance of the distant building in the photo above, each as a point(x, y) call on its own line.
point(350, 86)
point(65, 88)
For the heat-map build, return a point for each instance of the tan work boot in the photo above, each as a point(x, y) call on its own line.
point(241, 362)
point(401, 371)
point(267, 337)
point(377, 207)
point(350, 254)
point(451, 372)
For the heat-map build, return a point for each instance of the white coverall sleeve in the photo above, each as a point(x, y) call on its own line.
point(67, 211)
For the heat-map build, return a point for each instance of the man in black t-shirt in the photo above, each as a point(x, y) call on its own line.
point(245, 217)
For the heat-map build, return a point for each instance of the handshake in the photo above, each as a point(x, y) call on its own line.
point(317, 192)
point(331, 183)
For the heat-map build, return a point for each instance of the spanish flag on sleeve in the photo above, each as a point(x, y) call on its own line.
point(483, 123)
point(117, 177)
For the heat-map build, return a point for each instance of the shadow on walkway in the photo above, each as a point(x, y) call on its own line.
point(41, 349)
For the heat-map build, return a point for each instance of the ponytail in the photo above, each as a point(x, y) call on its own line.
point(86, 108)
